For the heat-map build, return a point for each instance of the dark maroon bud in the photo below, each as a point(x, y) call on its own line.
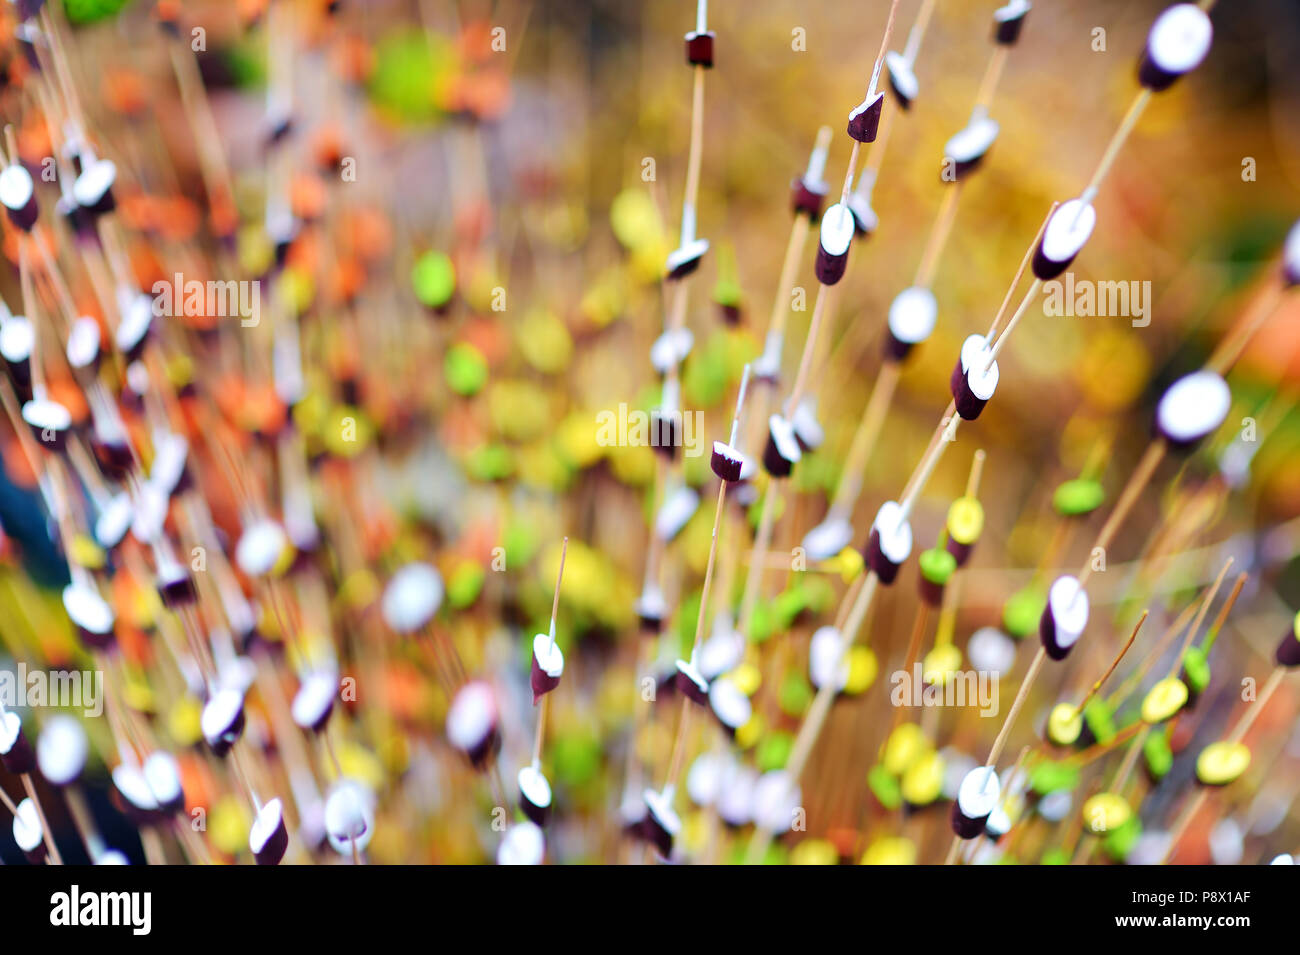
point(662, 823)
point(864, 121)
point(137, 321)
point(17, 339)
point(135, 387)
point(960, 551)
point(665, 684)
point(349, 817)
point(931, 592)
point(90, 614)
point(169, 471)
point(49, 421)
point(80, 222)
point(1009, 20)
point(912, 315)
point(974, 378)
point(282, 229)
point(691, 682)
point(222, 720)
point(548, 666)
point(964, 152)
point(1064, 618)
point(891, 349)
point(997, 826)
point(93, 188)
point(482, 754)
point(730, 706)
point(976, 799)
point(1288, 651)
point(837, 231)
point(726, 462)
point(902, 79)
point(1179, 40)
point(810, 189)
point(651, 609)
point(112, 451)
point(964, 827)
point(176, 586)
point(807, 429)
point(1064, 238)
point(248, 638)
point(18, 195)
point(806, 197)
point(665, 432)
point(885, 569)
point(890, 542)
point(685, 259)
point(16, 754)
point(632, 813)
point(782, 452)
point(534, 795)
point(473, 725)
point(314, 701)
point(699, 48)
point(268, 839)
point(134, 795)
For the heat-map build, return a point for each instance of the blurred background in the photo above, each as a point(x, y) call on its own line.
point(522, 157)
